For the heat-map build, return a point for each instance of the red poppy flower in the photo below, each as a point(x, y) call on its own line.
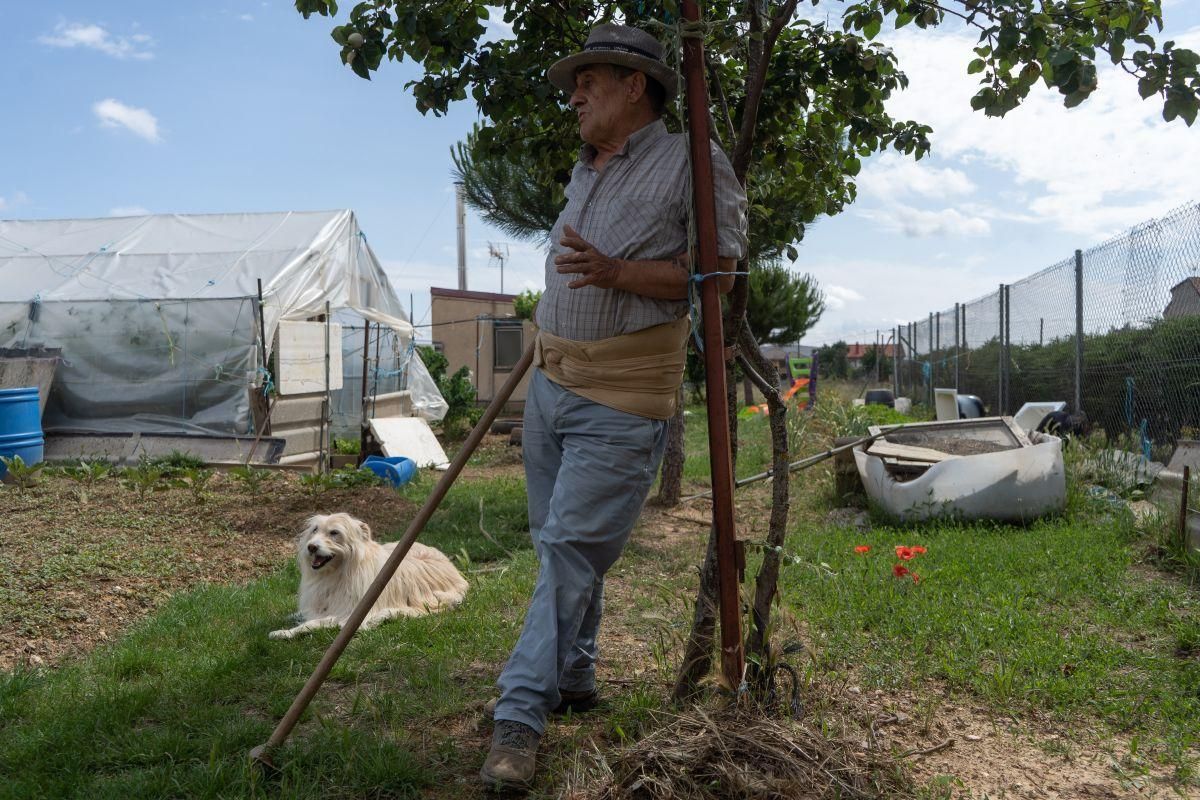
point(899, 570)
point(863, 548)
point(904, 553)
point(916, 548)
point(916, 578)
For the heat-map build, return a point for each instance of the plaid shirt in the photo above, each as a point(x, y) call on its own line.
point(635, 209)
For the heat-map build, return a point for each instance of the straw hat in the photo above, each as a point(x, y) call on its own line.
point(616, 44)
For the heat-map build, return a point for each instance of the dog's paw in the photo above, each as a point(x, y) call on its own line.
point(280, 634)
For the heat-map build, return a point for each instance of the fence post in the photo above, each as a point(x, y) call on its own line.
point(896, 362)
point(1078, 331)
point(956, 346)
point(929, 380)
point(1008, 348)
point(1000, 357)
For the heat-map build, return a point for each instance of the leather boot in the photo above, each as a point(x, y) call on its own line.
point(511, 761)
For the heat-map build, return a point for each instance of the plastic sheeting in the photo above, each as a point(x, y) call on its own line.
point(156, 315)
point(1015, 485)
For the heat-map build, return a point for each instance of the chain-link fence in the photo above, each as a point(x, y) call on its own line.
point(1115, 330)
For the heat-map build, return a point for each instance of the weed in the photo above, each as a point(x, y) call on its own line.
point(348, 447)
point(87, 474)
point(175, 464)
point(19, 474)
point(251, 479)
point(143, 478)
point(195, 479)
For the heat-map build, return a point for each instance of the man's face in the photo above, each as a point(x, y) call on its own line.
point(600, 103)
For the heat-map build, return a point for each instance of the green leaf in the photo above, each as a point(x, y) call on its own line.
point(975, 66)
point(871, 29)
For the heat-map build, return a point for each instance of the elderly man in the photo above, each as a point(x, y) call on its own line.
point(613, 325)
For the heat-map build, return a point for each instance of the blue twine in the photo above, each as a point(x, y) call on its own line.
point(694, 280)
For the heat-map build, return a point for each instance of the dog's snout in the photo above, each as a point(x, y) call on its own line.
point(312, 548)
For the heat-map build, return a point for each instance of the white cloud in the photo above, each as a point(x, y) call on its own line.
point(890, 176)
point(95, 37)
point(918, 223)
point(18, 198)
point(836, 297)
point(1093, 170)
point(886, 290)
point(246, 17)
point(115, 114)
point(496, 24)
point(128, 211)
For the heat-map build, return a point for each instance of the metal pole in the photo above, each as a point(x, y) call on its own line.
point(1000, 362)
point(957, 345)
point(262, 753)
point(1007, 347)
point(326, 406)
point(1041, 331)
point(1183, 509)
point(929, 380)
point(1078, 331)
point(878, 354)
point(366, 362)
point(896, 362)
point(719, 446)
point(262, 326)
point(461, 213)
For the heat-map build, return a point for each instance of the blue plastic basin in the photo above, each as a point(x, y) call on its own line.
point(396, 470)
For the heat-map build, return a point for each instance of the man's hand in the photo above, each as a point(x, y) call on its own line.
point(593, 267)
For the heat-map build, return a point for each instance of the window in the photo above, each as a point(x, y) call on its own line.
point(508, 343)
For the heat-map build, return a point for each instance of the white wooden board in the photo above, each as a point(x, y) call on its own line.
point(885, 449)
point(410, 437)
point(301, 356)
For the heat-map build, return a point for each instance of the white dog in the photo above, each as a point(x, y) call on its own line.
point(338, 560)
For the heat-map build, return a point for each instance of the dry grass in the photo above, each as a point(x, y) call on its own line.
point(739, 751)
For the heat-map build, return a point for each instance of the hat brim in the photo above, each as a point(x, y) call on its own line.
point(562, 72)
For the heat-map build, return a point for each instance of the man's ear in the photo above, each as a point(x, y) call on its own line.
point(635, 89)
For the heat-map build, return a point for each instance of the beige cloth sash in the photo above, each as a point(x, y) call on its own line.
point(639, 373)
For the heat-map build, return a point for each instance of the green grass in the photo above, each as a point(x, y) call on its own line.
point(1059, 618)
point(172, 708)
point(1049, 618)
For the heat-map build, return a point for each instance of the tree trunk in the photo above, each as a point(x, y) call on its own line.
point(697, 656)
point(758, 645)
point(748, 390)
point(670, 482)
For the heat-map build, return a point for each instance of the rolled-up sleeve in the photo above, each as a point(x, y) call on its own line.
point(732, 224)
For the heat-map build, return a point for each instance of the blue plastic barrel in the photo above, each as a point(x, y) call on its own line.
point(396, 470)
point(20, 426)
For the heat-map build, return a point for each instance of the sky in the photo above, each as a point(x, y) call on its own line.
point(150, 107)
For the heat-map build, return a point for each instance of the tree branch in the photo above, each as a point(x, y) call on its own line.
point(754, 89)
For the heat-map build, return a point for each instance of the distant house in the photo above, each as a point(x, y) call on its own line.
point(856, 353)
point(1185, 299)
point(480, 331)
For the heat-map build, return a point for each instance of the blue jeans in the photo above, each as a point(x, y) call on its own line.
point(588, 469)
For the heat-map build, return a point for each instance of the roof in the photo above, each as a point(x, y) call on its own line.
point(1193, 282)
point(303, 258)
point(466, 294)
point(858, 351)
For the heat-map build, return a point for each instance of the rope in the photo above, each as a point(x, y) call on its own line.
point(268, 382)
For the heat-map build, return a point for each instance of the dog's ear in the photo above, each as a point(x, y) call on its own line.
point(365, 528)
